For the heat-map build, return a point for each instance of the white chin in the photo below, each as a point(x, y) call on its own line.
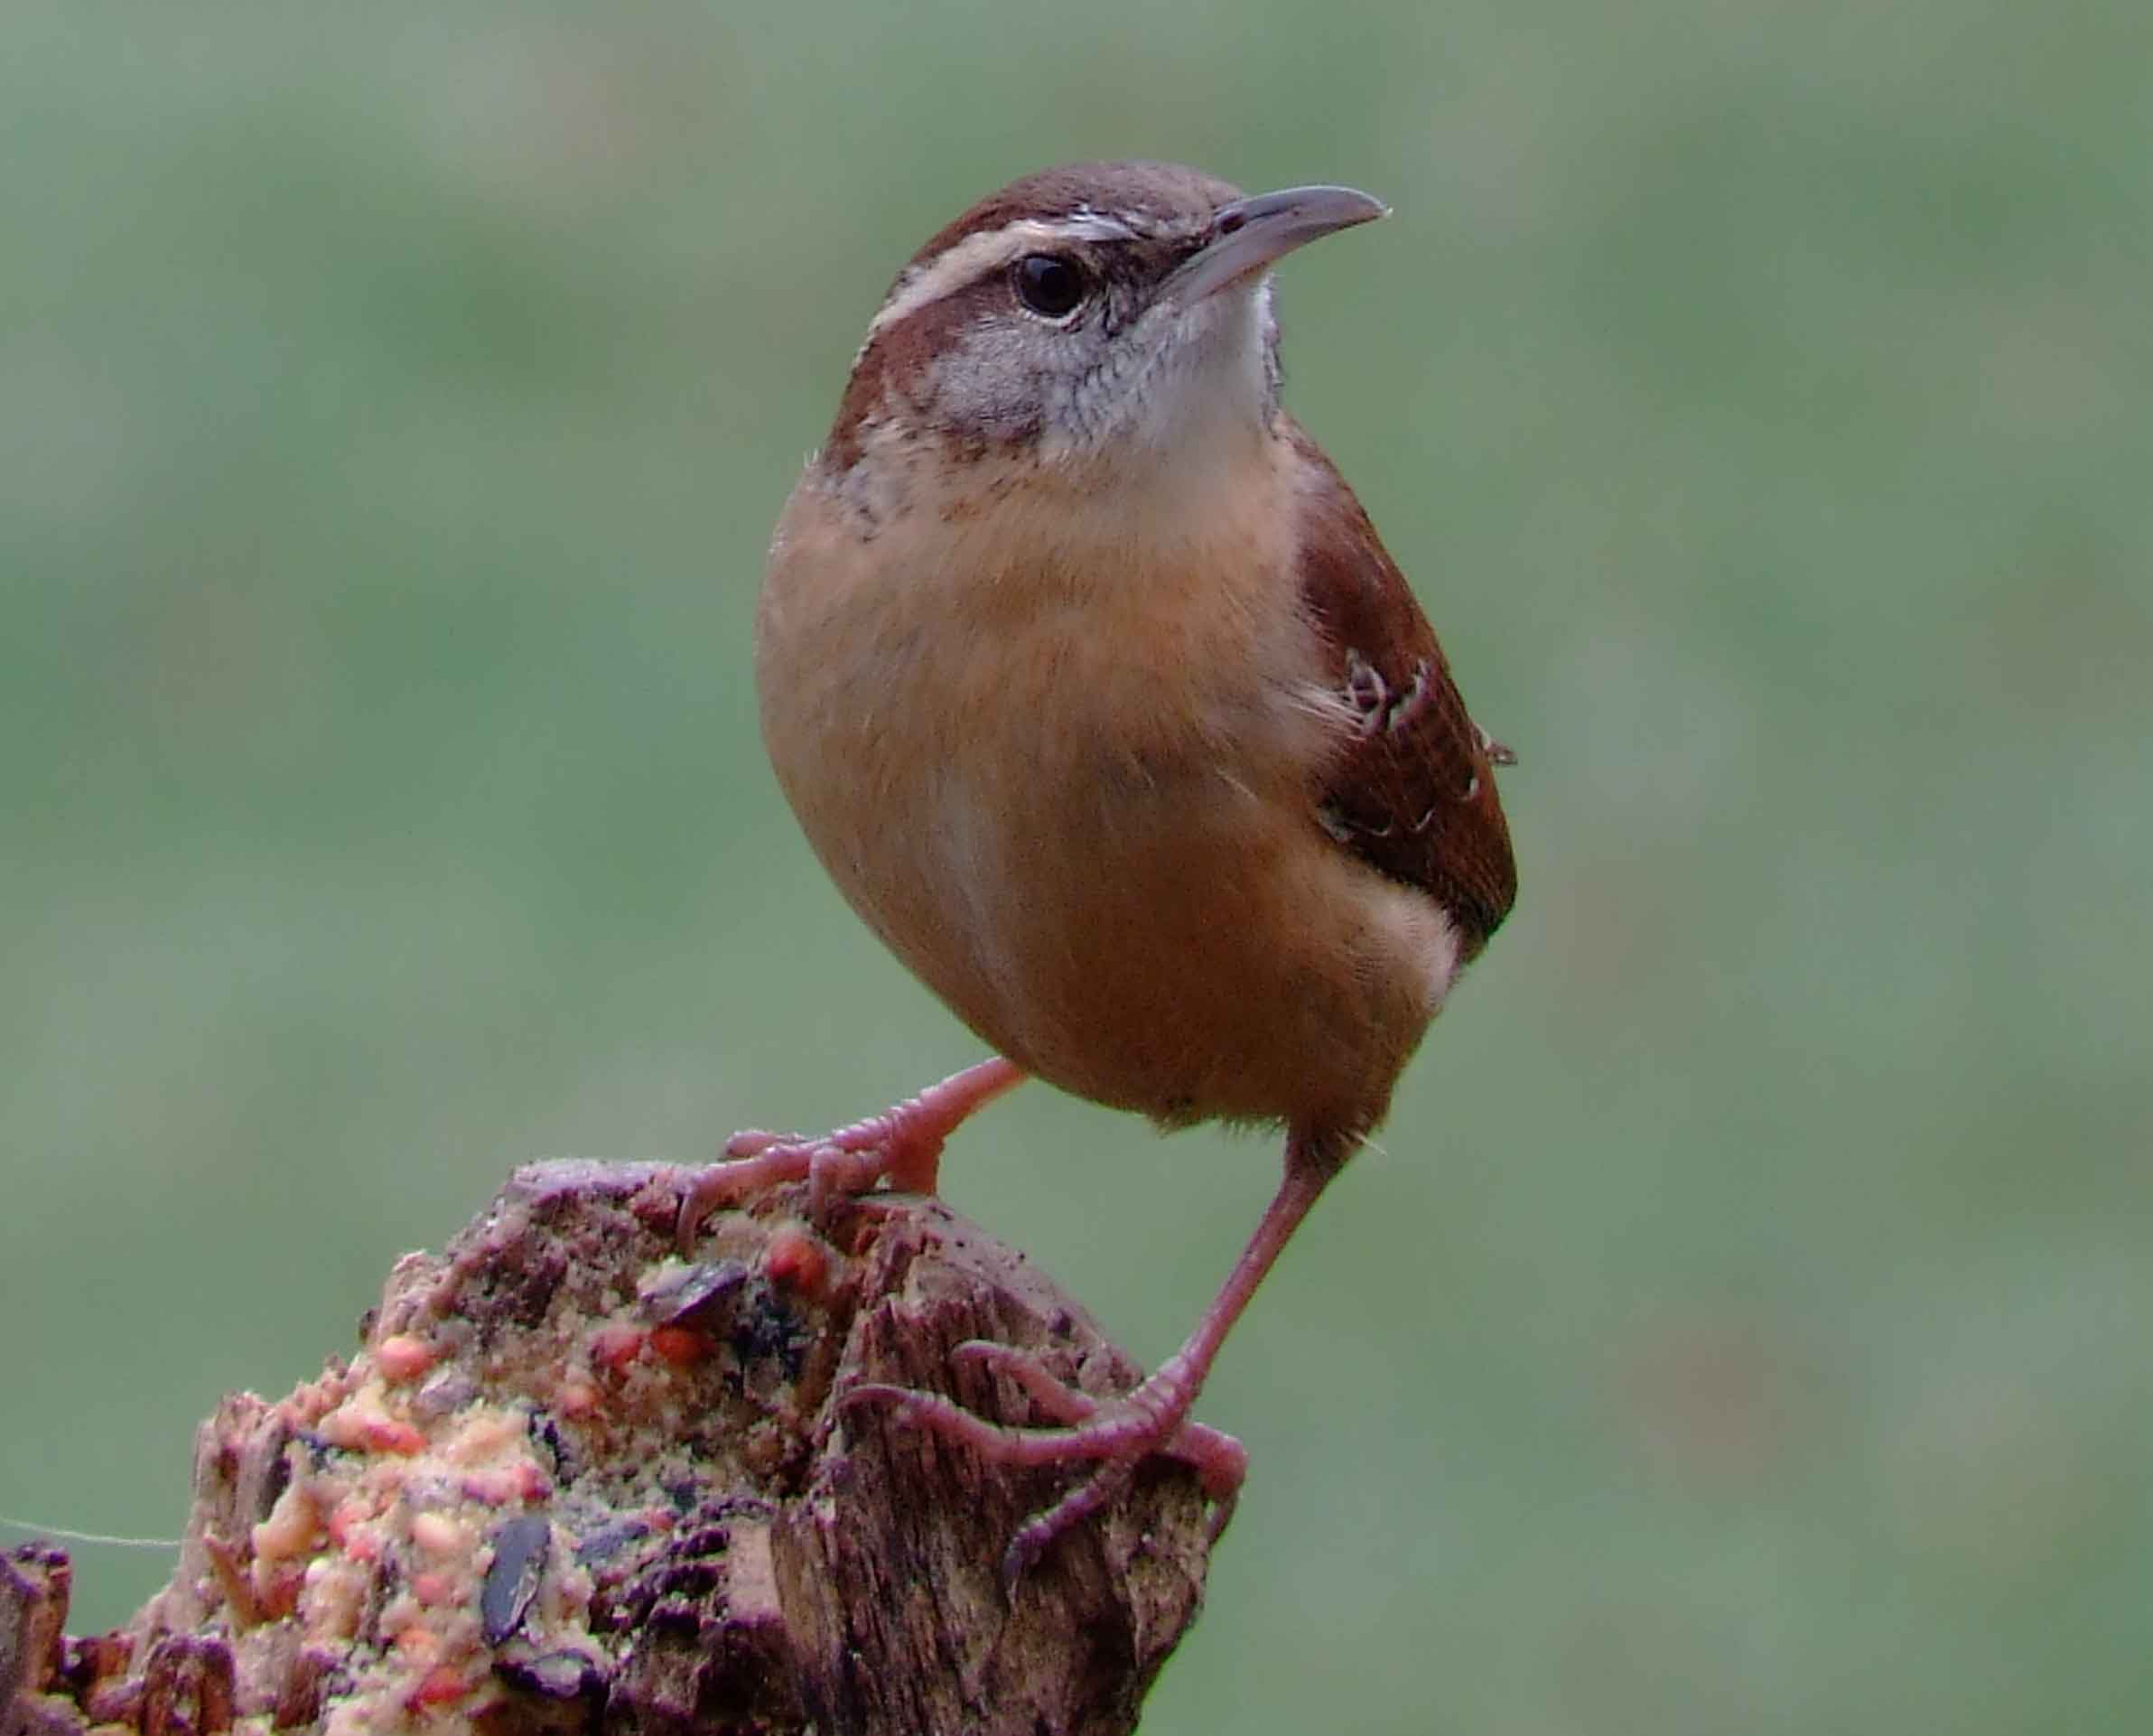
point(1218, 378)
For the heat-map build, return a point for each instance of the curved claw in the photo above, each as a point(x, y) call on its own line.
point(1036, 1534)
point(1046, 1389)
point(996, 1441)
point(1222, 1516)
point(904, 1143)
point(729, 1182)
point(1219, 1461)
point(1116, 1435)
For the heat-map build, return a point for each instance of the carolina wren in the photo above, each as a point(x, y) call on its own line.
point(1096, 694)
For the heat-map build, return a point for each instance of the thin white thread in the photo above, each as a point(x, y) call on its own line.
point(62, 1532)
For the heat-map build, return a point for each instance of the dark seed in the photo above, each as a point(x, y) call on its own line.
point(697, 1296)
point(520, 1551)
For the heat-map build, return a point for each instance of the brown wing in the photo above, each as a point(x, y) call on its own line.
point(1414, 792)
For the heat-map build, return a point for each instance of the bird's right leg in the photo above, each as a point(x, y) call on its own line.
point(1118, 1434)
point(903, 1143)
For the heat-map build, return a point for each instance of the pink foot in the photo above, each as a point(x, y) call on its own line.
point(1118, 1434)
point(903, 1143)
point(1216, 1456)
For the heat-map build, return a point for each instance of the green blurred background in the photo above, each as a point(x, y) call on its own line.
point(1746, 1326)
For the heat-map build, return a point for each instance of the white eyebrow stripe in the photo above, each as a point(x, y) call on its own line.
point(977, 254)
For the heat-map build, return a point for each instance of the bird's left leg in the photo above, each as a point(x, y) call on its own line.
point(1119, 1433)
point(1219, 1461)
point(903, 1142)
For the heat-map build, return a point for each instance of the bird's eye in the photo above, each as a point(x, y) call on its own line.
point(1050, 284)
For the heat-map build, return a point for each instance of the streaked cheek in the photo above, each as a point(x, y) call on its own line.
point(995, 386)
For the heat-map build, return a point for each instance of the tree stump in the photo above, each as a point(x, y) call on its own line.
point(572, 1482)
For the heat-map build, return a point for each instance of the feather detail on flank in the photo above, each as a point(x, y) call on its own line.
point(1413, 790)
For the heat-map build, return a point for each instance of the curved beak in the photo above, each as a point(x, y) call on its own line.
point(1251, 234)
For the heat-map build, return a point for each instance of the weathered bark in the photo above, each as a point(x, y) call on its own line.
point(573, 1482)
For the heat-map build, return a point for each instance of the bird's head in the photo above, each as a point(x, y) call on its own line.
point(1109, 314)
